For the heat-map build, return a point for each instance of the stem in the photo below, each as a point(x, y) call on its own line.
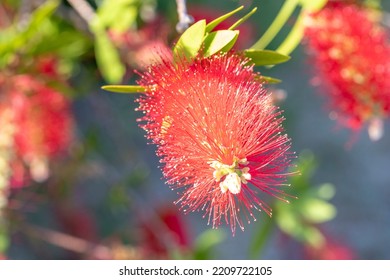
point(83, 8)
point(282, 17)
point(294, 37)
point(69, 242)
point(184, 18)
point(260, 238)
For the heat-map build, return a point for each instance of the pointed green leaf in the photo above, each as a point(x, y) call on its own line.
point(265, 57)
point(190, 41)
point(242, 20)
point(326, 191)
point(317, 211)
point(269, 80)
point(313, 236)
point(42, 13)
point(210, 26)
point(219, 40)
point(124, 88)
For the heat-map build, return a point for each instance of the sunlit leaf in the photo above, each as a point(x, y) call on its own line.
point(210, 26)
point(242, 20)
point(265, 57)
point(312, 236)
point(269, 80)
point(206, 242)
point(118, 15)
point(42, 13)
point(71, 45)
point(317, 210)
point(221, 40)
point(124, 88)
point(190, 41)
point(326, 191)
point(107, 58)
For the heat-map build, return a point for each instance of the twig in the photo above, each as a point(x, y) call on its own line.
point(69, 242)
point(184, 18)
point(83, 9)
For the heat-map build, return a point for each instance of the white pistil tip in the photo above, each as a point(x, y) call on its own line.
point(375, 129)
point(231, 176)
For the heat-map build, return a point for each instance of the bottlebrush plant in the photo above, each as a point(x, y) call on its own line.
point(218, 134)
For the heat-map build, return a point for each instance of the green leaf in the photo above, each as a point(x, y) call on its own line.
point(124, 89)
point(14, 39)
point(119, 15)
point(313, 5)
point(265, 57)
point(210, 26)
point(326, 191)
point(42, 13)
point(260, 237)
point(4, 240)
point(107, 57)
point(206, 241)
point(71, 45)
point(219, 40)
point(242, 20)
point(269, 80)
point(190, 41)
point(313, 236)
point(317, 211)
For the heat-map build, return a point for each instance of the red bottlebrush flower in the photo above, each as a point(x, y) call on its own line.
point(218, 134)
point(351, 54)
point(43, 117)
point(169, 233)
point(42, 125)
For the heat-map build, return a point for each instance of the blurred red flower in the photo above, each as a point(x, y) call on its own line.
point(140, 48)
point(164, 233)
point(77, 221)
point(218, 134)
point(351, 54)
point(330, 250)
point(42, 124)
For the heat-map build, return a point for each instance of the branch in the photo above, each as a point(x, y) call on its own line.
point(83, 8)
point(184, 18)
point(69, 242)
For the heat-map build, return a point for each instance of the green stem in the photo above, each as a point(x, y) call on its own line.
point(294, 37)
point(282, 17)
point(260, 239)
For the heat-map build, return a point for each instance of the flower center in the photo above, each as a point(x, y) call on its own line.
point(231, 176)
